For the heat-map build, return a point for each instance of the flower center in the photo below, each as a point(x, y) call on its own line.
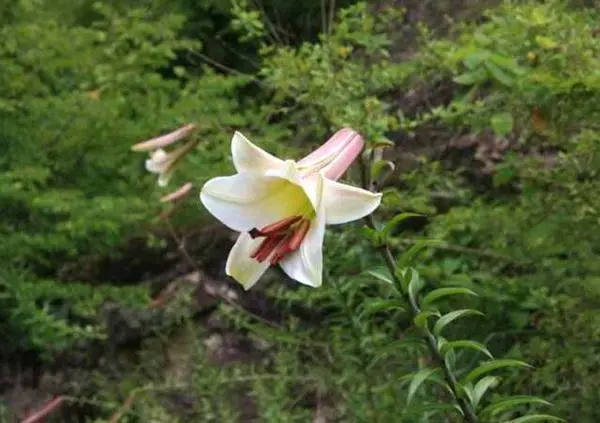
point(280, 238)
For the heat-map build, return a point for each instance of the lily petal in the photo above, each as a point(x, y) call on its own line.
point(311, 185)
point(248, 157)
point(345, 203)
point(240, 266)
point(306, 264)
point(157, 161)
point(163, 179)
point(247, 200)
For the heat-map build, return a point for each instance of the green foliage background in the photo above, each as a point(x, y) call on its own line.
point(495, 123)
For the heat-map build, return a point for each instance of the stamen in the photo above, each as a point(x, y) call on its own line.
point(299, 235)
point(273, 228)
point(282, 249)
point(281, 238)
point(266, 247)
point(291, 242)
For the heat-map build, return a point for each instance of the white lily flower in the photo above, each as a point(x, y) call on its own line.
point(281, 207)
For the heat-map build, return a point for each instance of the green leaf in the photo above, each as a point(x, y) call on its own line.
point(382, 275)
point(502, 123)
point(381, 167)
point(506, 63)
point(546, 42)
point(467, 391)
point(490, 366)
point(511, 403)
point(482, 387)
point(370, 234)
point(482, 39)
point(498, 74)
point(395, 221)
point(504, 174)
point(415, 283)
point(436, 294)
point(448, 318)
point(417, 380)
point(423, 410)
point(381, 305)
point(475, 59)
point(475, 77)
point(407, 257)
point(536, 418)
point(466, 344)
point(421, 319)
point(383, 143)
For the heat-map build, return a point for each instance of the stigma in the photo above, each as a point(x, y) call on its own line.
point(280, 238)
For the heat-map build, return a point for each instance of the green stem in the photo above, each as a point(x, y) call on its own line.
point(429, 337)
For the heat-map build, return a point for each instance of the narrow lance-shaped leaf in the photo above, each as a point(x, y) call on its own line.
point(422, 317)
point(408, 256)
point(467, 391)
point(482, 387)
point(465, 343)
point(536, 418)
point(477, 76)
point(490, 366)
point(511, 403)
point(431, 409)
point(382, 305)
point(436, 294)
point(448, 318)
point(499, 74)
point(382, 275)
point(415, 283)
point(417, 380)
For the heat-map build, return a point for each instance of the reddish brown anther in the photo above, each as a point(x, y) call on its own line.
point(273, 228)
point(281, 238)
point(299, 235)
point(282, 249)
point(291, 242)
point(266, 247)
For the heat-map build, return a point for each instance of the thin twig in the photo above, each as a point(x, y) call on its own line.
point(331, 16)
point(46, 409)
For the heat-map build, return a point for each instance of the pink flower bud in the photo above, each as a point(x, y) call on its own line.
point(164, 140)
point(179, 194)
point(335, 156)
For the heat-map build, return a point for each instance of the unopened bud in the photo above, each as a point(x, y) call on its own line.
point(179, 194)
point(164, 140)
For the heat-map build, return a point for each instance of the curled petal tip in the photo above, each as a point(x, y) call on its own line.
point(164, 140)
